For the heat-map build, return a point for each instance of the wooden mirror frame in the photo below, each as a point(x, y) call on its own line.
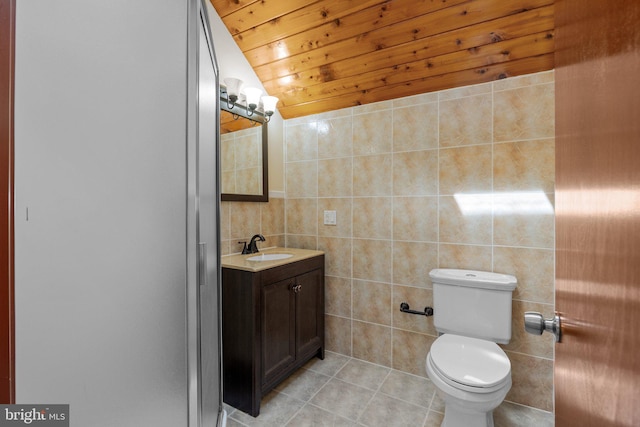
point(240, 110)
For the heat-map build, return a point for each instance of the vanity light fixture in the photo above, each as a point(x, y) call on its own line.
point(253, 99)
point(233, 91)
point(269, 106)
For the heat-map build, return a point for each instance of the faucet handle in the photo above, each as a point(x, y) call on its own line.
point(253, 245)
point(244, 248)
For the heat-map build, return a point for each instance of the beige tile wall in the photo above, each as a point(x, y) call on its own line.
point(239, 221)
point(241, 167)
point(395, 172)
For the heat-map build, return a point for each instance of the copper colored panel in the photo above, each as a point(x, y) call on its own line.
point(597, 368)
point(7, 26)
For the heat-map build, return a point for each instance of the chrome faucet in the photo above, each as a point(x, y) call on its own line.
point(253, 246)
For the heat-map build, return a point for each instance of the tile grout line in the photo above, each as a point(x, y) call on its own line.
point(373, 396)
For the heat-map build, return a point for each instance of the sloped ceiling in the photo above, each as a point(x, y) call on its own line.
point(324, 55)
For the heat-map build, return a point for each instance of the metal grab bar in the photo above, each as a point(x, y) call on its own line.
point(404, 307)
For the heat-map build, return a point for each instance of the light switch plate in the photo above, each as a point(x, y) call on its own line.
point(329, 217)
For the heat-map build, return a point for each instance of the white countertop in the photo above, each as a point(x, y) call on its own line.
point(241, 262)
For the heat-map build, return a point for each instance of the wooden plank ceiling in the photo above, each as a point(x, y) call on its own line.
point(325, 55)
point(229, 123)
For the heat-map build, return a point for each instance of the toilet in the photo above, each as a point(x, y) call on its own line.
point(471, 312)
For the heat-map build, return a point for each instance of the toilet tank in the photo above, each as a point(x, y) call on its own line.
point(473, 303)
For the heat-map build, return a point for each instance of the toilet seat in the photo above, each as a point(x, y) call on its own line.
point(470, 363)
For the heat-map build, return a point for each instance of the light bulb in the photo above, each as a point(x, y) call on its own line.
point(233, 88)
point(269, 104)
point(253, 97)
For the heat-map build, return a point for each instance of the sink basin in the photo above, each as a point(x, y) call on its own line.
point(269, 257)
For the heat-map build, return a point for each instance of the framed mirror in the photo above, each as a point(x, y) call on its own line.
point(243, 153)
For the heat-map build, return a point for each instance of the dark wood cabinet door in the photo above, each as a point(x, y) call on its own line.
point(273, 323)
point(309, 312)
point(278, 328)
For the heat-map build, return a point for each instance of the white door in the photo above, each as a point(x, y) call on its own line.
point(102, 276)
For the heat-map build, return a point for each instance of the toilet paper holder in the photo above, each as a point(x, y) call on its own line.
point(404, 307)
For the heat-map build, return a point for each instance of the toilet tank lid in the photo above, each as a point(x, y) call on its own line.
point(474, 279)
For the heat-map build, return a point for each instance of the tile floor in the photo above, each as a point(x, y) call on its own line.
point(341, 391)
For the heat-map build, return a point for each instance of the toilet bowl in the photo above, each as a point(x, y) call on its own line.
point(473, 376)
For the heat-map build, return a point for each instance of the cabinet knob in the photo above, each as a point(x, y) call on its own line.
point(297, 288)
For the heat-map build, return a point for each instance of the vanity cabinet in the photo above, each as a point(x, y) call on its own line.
point(272, 323)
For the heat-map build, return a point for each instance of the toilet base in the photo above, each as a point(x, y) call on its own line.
point(455, 417)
